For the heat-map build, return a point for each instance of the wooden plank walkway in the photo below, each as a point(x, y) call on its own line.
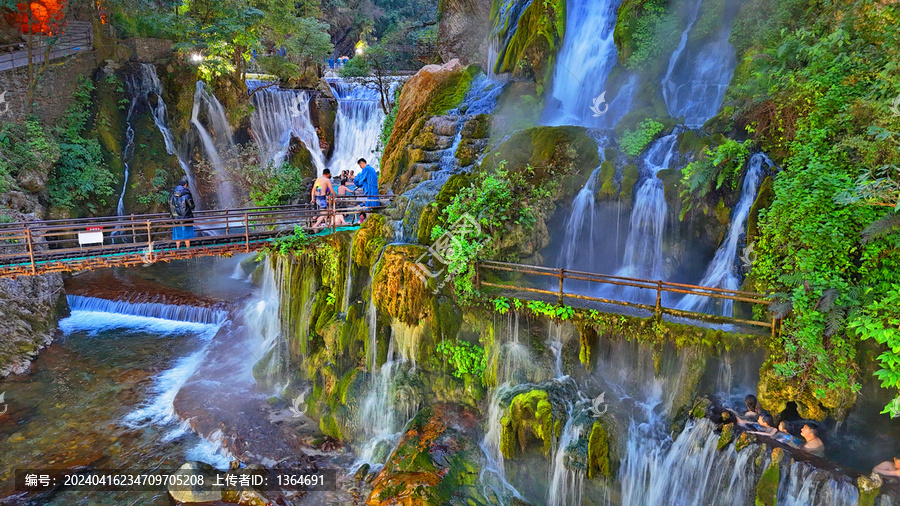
point(39, 247)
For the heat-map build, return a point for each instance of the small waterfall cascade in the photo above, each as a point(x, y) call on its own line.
point(280, 115)
point(162, 311)
point(480, 99)
point(643, 248)
point(358, 125)
point(723, 271)
point(137, 89)
point(214, 139)
point(582, 230)
point(696, 79)
point(160, 115)
point(262, 318)
point(587, 56)
point(566, 484)
point(804, 484)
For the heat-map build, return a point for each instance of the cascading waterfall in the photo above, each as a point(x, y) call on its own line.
point(279, 116)
point(695, 82)
point(160, 115)
point(582, 230)
point(138, 92)
point(262, 317)
point(480, 99)
point(804, 484)
point(587, 56)
point(214, 141)
point(723, 271)
point(174, 312)
point(358, 125)
point(566, 484)
point(643, 248)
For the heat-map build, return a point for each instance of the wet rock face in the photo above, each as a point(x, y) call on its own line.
point(464, 25)
point(436, 461)
point(530, 35)
point(28, 312)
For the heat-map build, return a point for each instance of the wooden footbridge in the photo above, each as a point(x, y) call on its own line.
point(623, 295)
point(38, 247)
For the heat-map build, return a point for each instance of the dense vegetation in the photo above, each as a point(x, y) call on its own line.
point(816, 90)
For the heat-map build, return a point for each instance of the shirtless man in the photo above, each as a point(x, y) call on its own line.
point(813, 444)
point(321, 189)
point(889, 467)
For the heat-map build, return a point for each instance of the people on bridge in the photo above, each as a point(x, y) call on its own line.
point(181, 207)
point(321, 189)
point(368, 181)
point(888, 467)
point(813, 444)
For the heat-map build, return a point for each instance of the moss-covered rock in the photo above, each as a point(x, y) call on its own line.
point(763, 200)
point(726, 437)
point(436, 462)
point(530, 37)
point(767, 486)
point(599, 462)
point(431, 214)
point(630, 176)
point(869, 488)
point(774, 392)
point(744, 440)
point(608, 190)
point(530, 417)
point(398, 290)
point(433, 91)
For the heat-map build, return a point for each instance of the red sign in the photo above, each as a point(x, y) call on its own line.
point(94, 229)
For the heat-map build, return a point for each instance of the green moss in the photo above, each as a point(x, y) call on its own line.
point(763, 200)
point(726, 437)
point(431, 214)
point(598, 452)
point(630, 175)
point(608, 190)
point(644, 30)
point(744, 440)
point(700, 408)
point(767, 487)
point(451, 94)
point(869, 488)
point(530, 415)
point(722, 212)
point(530, 52)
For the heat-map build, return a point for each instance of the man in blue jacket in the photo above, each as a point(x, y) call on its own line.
point(368, 181)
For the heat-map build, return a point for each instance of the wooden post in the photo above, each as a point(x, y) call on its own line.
point(227, 228)
point(562, 275)
point(247, 231)
point(773, 326)
point(659, 298)
point(31, 249)
point(133, 231)
point(477, 276)
point(149, 242)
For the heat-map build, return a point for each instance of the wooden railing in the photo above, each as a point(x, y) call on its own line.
point(657, 287)
point(38, 247)
point(73, 41)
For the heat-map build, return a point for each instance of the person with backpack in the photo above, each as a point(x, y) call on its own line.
point(181, 207)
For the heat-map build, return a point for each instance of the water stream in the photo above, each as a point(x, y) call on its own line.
point(279, 116)
point(216, 137)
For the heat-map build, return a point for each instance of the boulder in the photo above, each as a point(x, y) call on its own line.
point(464, 24)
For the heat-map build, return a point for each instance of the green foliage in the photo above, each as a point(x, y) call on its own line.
point(634, 142)
point(880, 320)
point(830, 77)
point(291, 243)
point(466, 358)
point(559, 312)
point(645, 30)
point(159, 194)
point(358, 66)
point(388, 128)
point(501, 305)
point(714, 168)
point(80, 176)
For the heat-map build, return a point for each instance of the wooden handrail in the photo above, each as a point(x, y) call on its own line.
point(658, 286)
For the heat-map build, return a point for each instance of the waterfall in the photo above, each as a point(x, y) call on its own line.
point(212, 147)
point(278, 116)
point(173, 312)
point(805, 484)
point(262, 318)
point(358, 125)
point(566, 485)
point(587, 56)
point(695, 82)
point(723, 270)
point(643, 248)
point(137, 90)
point(582, 227)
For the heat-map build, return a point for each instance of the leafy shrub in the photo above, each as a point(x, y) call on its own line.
point(713, 169)
point(466, 358)
point(633, 143)
point(357, 66)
